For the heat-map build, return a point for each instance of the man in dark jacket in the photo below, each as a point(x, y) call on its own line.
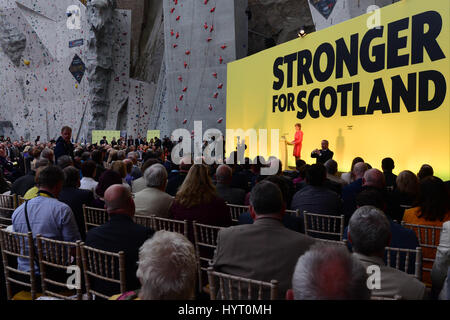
point(63, 145)
point(120, 233)
point(324, 154)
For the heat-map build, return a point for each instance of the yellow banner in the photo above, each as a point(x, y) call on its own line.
point(372, 92)
point(98, 135)
point(151, 134)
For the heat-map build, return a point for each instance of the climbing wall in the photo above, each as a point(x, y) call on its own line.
point(200, 39)
point(43, 76)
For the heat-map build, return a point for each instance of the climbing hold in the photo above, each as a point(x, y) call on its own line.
point(26, 62)
point(185, 120)
point(178, 18)
point(177, 36)
point(210, 107)
point(220, 59)
point(176, 109)
point(220, 86)
point(209, 39)
point(180, 78)
point(188, 52)
point(213, 9)
point(214, 74)
point(216, 95)
point(175, 45)
point(181, 97)
point(220, 120)
point(211, 29)
point(172, 10)
point(45, 89)
point(185, 89)
point(205, 26)
point(185, 64)
point(206, 2)
point(223, 47)
point(76, 85)
point(171, 32)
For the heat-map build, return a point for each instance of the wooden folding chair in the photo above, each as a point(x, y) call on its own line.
point(294, 213)
point(396, 297)
point(18, 245)
point(428, 237)
point(102, 265)
point(146, 221)
point(403, 257)
point(58, 256)
point(236, 211)
point(94, 217)
point(333, 242)
point(324, 226)
point(21, 200)
point(205, 243)
point(231, 287)
point(8, 203)
point(170, 225)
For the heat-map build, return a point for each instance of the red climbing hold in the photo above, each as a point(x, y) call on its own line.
point(172, 10)
point(210, 107)
point(209, 39)
point(220, 120)
point(185, 89)
point(206, 2)
point(176, 109)
point(220, 59)
point(178, 18)
point(180, 78)
point(188, 52)
point(175, 45)
point(215, 74)
point(185, 120)
point(205, 26)
point(223, 47)
point(185, 64)
point(171, 32)
point(220, 86)
point(211, 29)
point(181, 97)
point(177, 36)
point(216, 95)
point(213, 9)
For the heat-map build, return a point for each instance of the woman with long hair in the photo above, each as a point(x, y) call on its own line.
point(349, 177)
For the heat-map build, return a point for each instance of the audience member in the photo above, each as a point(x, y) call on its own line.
point(266, 243)
point(140, 183)
point(28, 181)
point(323, 154)
point(167, 269)
point(176, 179)
point(433, 210)
point(107, 179)
point(332, 169)
point(65, 161)
point(329, 273)
point(369, 233)
point(224, 190)
point(439, 272)
point(349, 177)
point(97, 157)
point(135, 171)
point(88, 170)
point(387, 165)
point(153, 200)
point(350, 191)
point(120, 167)
point(425, 171)
point(120, 233)
point(63, 145)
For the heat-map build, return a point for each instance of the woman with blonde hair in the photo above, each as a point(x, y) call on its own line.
point(197, 200)
point(120, 167)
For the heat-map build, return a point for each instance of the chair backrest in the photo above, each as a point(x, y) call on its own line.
point(403, 260)
point(333, 242)
point(324, 226)
point(205, 243)
point(21, 200)
point(58, 256)
point(294, 213)
point(396, 297)
point(170, 225)
point(237, 288)
point(102, 265)
point(236, 210)
point(94, 217)
point(8, 203)
point(14, 245)
point(146, 221)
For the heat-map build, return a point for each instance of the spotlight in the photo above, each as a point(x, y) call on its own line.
point(301, 33)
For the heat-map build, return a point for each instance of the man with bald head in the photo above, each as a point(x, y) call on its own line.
point(224, 177)
point(120, 233)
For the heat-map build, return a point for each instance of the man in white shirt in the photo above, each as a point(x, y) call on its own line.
point(88, 170)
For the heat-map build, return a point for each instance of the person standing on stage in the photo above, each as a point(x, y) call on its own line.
point(297, 143)
point(324, 154)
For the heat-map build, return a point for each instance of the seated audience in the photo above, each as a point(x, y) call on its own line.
point(266, 243)
point(88, 170)
point(120, 233)
point(439, 272)
point(387, 165)
point(224, 190)
point(176, 179)
point(128, 166)
point(433, 210)
point(28, 181)
point(153, 200)
point(167, 269)
point(369, 233)
point(329, 273)
point(65, 161)
point(425, 171)
point(350, 191)
point(350, 177)
point(197, 200)
point(120, 167)
point(72, 195)
point(135, 171)
point(315, 198)
point(46, 215)
point(107, 179)
point(140, 183)
point(406, 192)
point(332, 170)
point(97, 157)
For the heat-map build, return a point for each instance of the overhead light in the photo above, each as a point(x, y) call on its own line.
point(301, 33)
